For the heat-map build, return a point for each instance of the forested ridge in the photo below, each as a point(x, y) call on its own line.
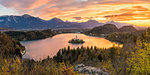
point(31, 35)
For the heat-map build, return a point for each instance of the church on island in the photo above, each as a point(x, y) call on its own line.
point(76, 38)
point(76, 41)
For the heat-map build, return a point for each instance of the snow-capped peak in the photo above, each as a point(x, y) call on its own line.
point(26, 16)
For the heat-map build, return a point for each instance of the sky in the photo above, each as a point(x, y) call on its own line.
point(135, 12)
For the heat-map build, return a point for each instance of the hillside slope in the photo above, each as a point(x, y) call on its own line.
point(106, 29)
point(110, 28)
point(127, 29)
point(10, 48)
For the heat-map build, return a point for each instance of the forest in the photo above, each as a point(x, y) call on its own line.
point(132, 59)
point(30, 35)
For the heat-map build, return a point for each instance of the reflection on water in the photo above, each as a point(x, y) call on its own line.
point(40, 49)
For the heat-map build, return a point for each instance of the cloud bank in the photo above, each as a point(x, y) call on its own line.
point(83, 10)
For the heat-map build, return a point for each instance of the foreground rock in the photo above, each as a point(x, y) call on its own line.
point(81, 68)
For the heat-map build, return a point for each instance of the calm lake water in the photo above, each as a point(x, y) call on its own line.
point(40, 49)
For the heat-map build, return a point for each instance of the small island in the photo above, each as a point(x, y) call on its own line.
point(76, 41)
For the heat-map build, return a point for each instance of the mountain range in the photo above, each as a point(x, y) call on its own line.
point(30, 22)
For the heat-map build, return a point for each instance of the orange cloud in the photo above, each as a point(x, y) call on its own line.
point(83, 10)
point(77, 18)
point(134, 13)
point(140, 8)
point(38, 3)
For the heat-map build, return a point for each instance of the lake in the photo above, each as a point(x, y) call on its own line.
point(40, 49)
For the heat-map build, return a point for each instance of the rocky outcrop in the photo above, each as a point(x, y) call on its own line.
point(88, 70)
